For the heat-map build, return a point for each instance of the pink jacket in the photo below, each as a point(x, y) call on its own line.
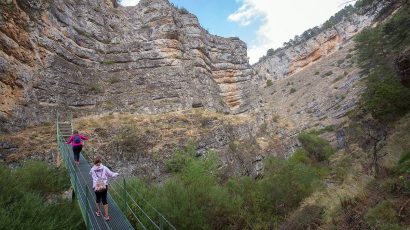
point(101, 172)
point(76, 144)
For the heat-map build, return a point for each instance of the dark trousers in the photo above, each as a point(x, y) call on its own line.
point(76, 151)
point(101, 195)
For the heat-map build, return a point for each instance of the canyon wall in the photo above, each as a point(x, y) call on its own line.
point(90, 57)
point(289, 60)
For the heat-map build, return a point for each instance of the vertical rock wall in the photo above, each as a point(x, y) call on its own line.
point(90, 57)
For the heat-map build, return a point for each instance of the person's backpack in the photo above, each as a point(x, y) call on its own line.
point(77, 139)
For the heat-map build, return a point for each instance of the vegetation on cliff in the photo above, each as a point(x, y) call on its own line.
point(200, 196)
point(385, 98)
point(359, 8)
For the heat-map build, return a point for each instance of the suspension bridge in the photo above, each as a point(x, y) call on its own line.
point(127, 208)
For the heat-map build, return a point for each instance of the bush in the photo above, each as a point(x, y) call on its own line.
point(269, 83)
point(37, 176)
point(182, 10)
point(300, 155)
point(404, 163)
point(292, 90)
point(363, 3)
point(179, 161)
point(196, 198)
point(385, 98)
point(133, 142)
point(193, 199)
point(30, 199)
point(285, 184)
point(317, 148)
point(328, 128)
point(114, 80)
point(307, 218)
point(327, 74)
point(109, 62)
point(95, 88)
point(381, 215)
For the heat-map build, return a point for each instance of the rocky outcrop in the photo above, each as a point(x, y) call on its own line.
point(92, 57)
point(402, 64)
point(290, 60)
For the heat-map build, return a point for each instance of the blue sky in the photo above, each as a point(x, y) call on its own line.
point(262, 24)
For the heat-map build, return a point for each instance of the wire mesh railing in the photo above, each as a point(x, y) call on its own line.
point(79, 185)
point(138, 210)
point(140, 213)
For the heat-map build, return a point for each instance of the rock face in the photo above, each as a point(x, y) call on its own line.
point(319, 97)
point(403, 67)
point(90, 57)
point(288, 61)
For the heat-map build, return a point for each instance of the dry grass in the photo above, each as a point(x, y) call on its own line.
point(397, 143)
point(34, 142)
point(355, 184)
point(157, 133)
point(305, 99)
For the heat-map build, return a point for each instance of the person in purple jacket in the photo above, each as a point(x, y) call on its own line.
point(76, 141)
point(100, 175)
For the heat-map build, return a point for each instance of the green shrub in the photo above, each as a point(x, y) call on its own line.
point(95, 88)
point(300, 155)
point(30, 199)
point(195, 198)
point(317, 148)
point(363, 3)
point(327, 74)
point(269, 83)
point(114, 80)
point(285, 184)
point(381, 215)
point(292, 90)
point(182, 10)
point(50, 181)
point(326, 129)
point(385, 98)
point(403, 165)
point(403, 171)
point(342, 168)
point(309, 217)
point(179, 161)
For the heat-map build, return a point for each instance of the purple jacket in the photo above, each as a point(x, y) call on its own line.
point(101, 172)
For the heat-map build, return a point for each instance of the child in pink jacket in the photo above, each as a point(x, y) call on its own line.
point(76, 141)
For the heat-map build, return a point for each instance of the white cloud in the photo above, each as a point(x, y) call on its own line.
point(244, 15)
point(281, 20)
point(129, 2)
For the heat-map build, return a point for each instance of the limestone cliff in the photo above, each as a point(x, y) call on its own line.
point(292, 59)
point(91, 57)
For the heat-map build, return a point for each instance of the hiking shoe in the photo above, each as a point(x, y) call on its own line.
point(107, 218)
point(98, 213)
